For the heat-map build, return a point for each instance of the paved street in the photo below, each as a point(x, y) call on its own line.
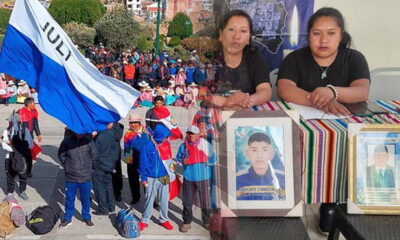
point(47, 184)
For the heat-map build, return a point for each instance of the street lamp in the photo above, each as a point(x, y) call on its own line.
point(187, 24)
point(158, 28)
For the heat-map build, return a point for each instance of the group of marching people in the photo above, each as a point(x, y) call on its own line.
point(92, 161)
point(148, 154)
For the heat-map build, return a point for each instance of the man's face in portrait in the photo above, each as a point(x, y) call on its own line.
point(259, 154)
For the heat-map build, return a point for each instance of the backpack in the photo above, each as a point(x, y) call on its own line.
point(18, 163)
point(128, 223)
point(42, 220)
point(6, 224)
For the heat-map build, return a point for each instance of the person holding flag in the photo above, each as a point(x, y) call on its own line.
point(35, 48)
point(197, 155)
point(155, 175)
point(134, 139)
point(160, 114)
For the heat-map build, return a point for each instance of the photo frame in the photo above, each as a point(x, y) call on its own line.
point(374, 169)
point(261, 165)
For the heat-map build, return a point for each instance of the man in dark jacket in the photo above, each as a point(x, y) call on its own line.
point(77, 153)
point(104, 167)
point(117, 175)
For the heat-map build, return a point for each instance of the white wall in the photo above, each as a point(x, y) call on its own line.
point(374, 26)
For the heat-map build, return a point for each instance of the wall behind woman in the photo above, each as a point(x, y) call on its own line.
point(374, 26)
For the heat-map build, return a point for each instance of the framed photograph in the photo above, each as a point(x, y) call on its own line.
point(374, 169)
point(263, 175)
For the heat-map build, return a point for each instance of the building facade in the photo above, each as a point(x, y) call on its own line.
point(134, 6)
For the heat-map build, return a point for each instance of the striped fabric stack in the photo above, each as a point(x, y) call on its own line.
point(324, 151)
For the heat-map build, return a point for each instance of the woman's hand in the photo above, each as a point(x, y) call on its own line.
point(321, 96)
point(336, 108)
point(238, 99)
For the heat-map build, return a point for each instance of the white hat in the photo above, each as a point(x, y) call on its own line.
point(193, 129)
point(194, 51)
point(179, 60)
point(125, 62)
point(181, 70)
point(22, 82)
point(193, 84)
point(134, 118)
point(143, 84)
point(10, 83)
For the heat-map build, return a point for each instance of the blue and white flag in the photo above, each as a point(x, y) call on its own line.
point(37, 50)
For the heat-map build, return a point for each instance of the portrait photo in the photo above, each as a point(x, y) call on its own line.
point(374, 168)
point(260, 170)
point(263, 166)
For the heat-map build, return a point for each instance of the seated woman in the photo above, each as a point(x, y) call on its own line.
point(244, 66)
point(146, 98)
point(170, 96)
point(328, 72)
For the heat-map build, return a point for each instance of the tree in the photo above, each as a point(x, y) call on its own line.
point(144, 43)
point(180, 26)
point(80, 34)
point(4, 18)
point(80, 11)
point(117, 30)
point(174, 41)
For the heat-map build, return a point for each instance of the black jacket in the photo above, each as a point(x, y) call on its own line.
point(118, 134)
point(77, 157)
point(107, 151)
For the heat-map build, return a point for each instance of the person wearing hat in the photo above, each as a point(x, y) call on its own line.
point(23, 91)
point(196, 155)
point(146, 98)
point(172, 68)
point(155, 176)
point(178, 63)
point(170, 96)
point(194, 56)
point(180, 77)
point(191, 95)
point(134, 139)
point(210, 71)
point(12, 90)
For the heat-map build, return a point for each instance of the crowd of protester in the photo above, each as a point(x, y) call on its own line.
point(181, 82)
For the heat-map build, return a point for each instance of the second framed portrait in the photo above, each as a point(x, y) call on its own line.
point(374, 169)
point(263, 176)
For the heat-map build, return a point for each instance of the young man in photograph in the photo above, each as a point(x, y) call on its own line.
point(380, 174)
point(260, 181)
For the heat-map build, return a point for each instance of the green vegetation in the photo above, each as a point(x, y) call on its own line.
point(117, 30)
point(180, 26)
point(80, 34)
point(174, 41)
point(4, 18)
point(80, 11)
